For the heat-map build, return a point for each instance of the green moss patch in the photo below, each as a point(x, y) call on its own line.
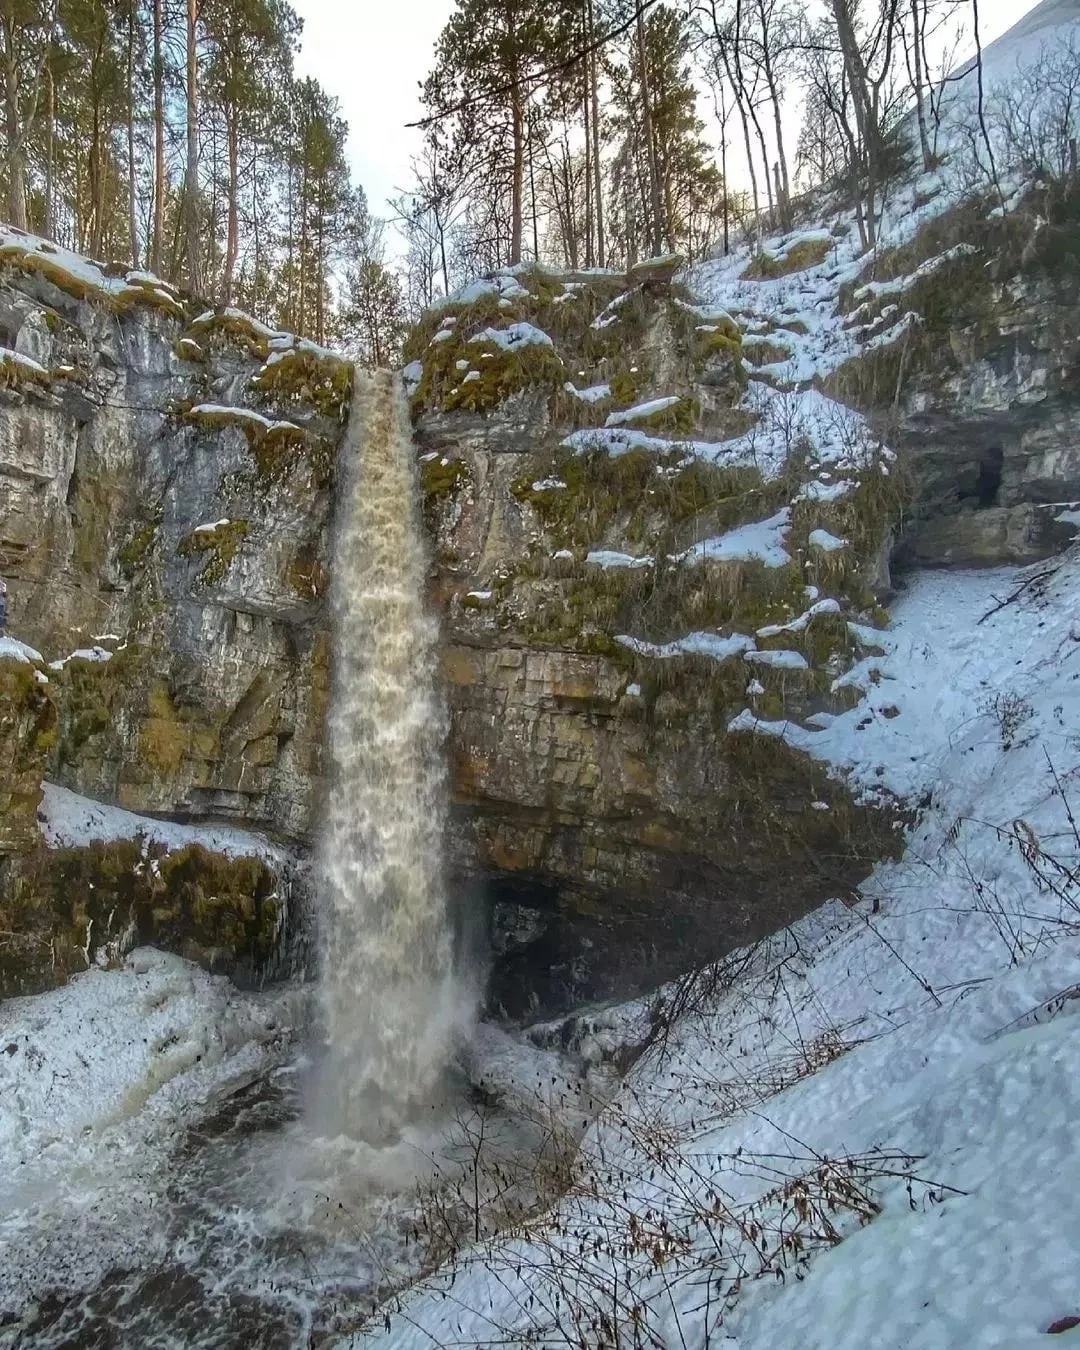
point(491, 375)
point(92, 698)
point(219, 544)
point(135, 551)
point(302, 376)
point(70, 908)
point(766, 266)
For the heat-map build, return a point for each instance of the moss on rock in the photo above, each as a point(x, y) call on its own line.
point(219, 544)
point(66, 909)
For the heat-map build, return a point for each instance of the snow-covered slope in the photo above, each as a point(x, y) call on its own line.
point(860, 1136)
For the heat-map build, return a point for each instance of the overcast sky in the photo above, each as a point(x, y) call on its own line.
point(372, 55)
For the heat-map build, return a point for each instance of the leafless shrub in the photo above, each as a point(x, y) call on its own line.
point(1010, 711)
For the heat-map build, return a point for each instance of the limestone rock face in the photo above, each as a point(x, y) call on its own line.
point(165, 490)
point(165, 496)
point(600, 589)
point(639, 838)
point(997, 443)
point(983, 393)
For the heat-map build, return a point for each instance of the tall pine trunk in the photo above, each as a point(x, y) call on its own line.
point(133, 223)
point(16, 157)
point(158, 228)
point(191, 169)
point(50, 153)
point(517, 184)
point(586, 111)
point(594, 94)
point(656, 234)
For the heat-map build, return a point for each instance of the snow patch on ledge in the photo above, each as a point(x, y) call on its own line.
point(641, 411)
point(605, 558)
point(68, 820)
point(14, 650)
point(713, 645)
point(760, 541)
point(514, 337)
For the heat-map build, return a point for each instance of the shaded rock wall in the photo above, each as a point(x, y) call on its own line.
point(213, 701)
point(984, 394)
point(165, 495)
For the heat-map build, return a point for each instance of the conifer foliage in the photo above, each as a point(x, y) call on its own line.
point(562, 130)
point(174, 135)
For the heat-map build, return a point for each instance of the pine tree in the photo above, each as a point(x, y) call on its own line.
point(666, 189)
point(486, 61)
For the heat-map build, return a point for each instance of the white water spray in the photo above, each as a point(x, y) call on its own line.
point(392, 1006)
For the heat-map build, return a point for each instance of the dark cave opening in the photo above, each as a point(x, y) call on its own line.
point(988, 481)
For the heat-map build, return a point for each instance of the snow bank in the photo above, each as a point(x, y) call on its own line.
point(97, 1081)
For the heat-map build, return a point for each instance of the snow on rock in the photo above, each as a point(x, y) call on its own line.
point(412, 374)
point(594, 393)
point(69, 820)
point(714, 645)
point(787, 421)
point(820, 491)
point(779, 660)
point(610, 313)
point(798, 625)
point(828, 543)
point(514, 337)
point(641, 411)
point(94, 653)
point(13, 650)
point(8, 356)
point(230, 412)
point(605, 558)
point(760, 541)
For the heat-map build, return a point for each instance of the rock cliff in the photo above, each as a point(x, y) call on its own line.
point(635, 543)
point(981, 391)
point(165, 481)
point(661, 535)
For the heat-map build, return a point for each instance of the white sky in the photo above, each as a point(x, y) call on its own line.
point(373, 54)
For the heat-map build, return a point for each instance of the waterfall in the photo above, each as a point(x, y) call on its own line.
point(391, 1004)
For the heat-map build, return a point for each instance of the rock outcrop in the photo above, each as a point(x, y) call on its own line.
point(982, 392)
point(633, 546)
point(165, 493)
point(165, 482)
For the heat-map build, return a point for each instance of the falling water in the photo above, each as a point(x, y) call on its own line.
point(391, 1003)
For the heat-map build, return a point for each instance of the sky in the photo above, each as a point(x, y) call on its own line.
point(373, 54)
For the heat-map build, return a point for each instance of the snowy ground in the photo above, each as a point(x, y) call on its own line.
point(860, 1139)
